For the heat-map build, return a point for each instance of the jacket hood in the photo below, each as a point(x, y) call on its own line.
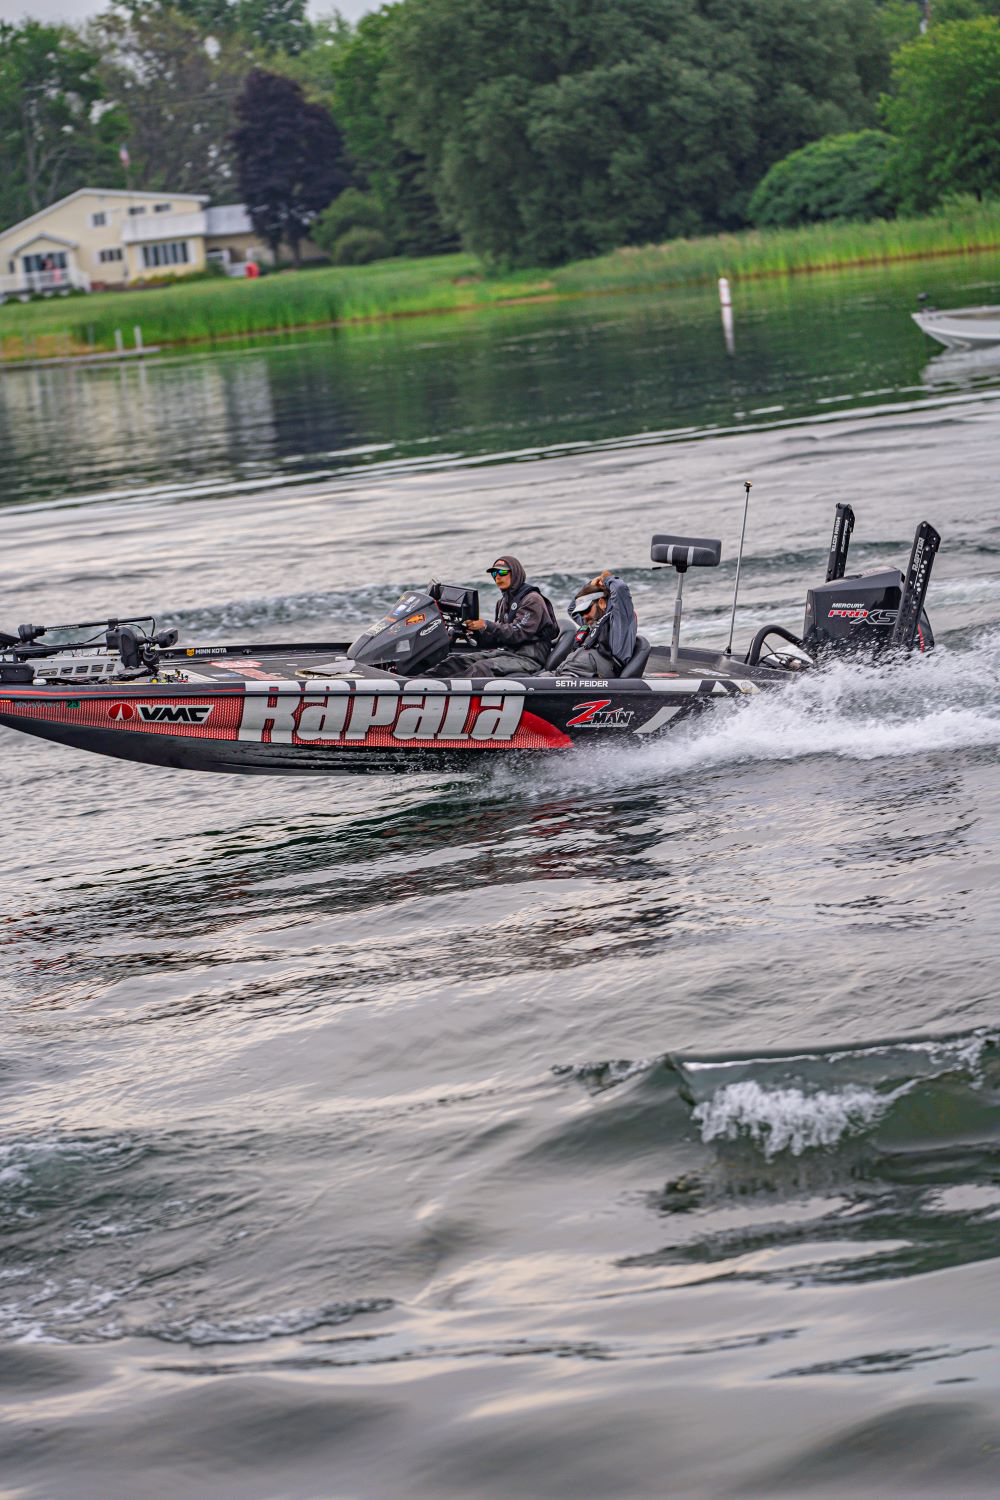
point(517, 573)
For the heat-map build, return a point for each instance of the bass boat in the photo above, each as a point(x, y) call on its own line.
point(124, 688)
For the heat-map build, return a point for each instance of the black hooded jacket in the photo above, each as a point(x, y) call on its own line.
point(525, 621)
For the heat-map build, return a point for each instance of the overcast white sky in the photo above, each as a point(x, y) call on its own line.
point(79, 10)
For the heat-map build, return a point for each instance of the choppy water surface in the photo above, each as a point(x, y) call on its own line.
point(627, 1127)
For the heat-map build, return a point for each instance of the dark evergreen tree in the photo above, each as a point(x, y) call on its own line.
point(290, 160)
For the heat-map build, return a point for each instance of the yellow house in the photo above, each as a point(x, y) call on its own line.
point(96, 238)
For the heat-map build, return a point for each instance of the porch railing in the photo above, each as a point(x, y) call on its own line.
point(61, 279)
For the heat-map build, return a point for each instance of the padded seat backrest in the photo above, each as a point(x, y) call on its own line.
point(686, 551)
point(562, 647)
point(637, 661)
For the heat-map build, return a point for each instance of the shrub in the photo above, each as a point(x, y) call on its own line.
point(358, 246)
point(838, 177)
point(353, 209)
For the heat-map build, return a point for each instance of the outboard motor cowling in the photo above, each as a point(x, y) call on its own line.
point(873, 612)
point(853, 614)
point(419, 631)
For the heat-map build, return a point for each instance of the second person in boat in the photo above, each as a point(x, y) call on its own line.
point(608, 630)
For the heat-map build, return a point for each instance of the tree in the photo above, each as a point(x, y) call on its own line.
point(962, 10)
point(899, 21)
point(366, 106)
point(559, 128)
point(945, 112)
point(55, 130)
point(177, 91)
point(275, 25)
point(839, 177)
point(289, 158)
point(270, 25)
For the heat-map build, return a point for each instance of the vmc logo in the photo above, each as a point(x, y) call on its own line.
point(162, 713)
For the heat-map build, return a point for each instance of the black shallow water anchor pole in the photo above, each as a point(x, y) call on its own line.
point(918, 576)
point(843, 525)
point(748, 486)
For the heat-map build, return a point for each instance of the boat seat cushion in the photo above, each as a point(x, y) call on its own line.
point(686, 551)
point(636, 663)
point(562, 647)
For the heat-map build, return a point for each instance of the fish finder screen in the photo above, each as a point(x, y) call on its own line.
point(455, 600)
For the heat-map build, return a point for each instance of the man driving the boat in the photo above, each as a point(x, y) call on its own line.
point(608, 630)
point(518, 640)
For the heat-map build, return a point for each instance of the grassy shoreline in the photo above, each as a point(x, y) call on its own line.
point(207, 312)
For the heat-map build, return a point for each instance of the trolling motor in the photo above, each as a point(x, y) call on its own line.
point(137, 650)
point(127, 651)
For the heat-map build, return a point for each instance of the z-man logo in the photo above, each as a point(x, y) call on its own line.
point(585, 711)
point(598, 714)
point(162, 713)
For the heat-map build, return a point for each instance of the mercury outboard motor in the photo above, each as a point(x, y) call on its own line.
point(419, 631)
point(871, 612)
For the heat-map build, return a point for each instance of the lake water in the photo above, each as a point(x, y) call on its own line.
point(623, 1127)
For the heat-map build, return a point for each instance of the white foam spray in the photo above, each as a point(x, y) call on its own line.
point(790, 1119)
point(946, 701)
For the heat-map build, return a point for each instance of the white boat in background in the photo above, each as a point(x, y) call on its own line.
point(961, 327)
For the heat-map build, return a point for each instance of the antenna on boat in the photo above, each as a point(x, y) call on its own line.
point(748, 486)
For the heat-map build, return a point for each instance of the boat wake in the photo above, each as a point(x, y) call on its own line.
point(948, 701)
point(919, 1094)
point(867, 1163)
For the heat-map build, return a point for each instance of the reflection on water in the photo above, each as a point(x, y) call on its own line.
point(504, 380)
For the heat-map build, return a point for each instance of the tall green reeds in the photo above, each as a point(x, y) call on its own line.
point(961, 227)
point(206, 311)
point(214, 310)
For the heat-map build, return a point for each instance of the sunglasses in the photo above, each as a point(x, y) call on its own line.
point(499, 572)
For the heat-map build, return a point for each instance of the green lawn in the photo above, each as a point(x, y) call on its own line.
point(205, 311)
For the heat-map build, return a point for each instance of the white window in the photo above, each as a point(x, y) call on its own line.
point(106, 255)
point(137, 208)
point(98, 221)
point(170, 253)
point(161, 208)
